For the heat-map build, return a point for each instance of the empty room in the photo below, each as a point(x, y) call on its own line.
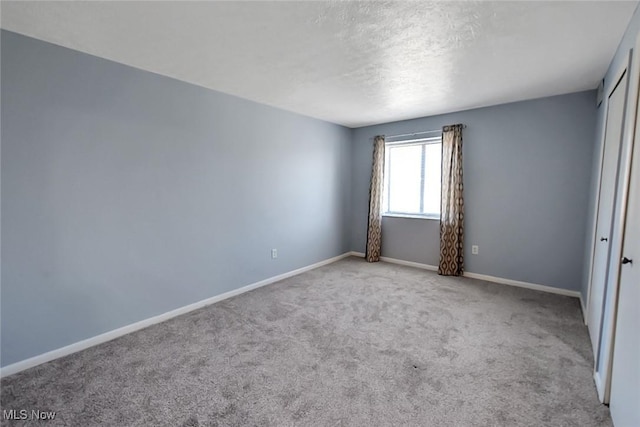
point(320, 213)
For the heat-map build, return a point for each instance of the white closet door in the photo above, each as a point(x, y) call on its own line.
point(606, 203)
point(625, 374)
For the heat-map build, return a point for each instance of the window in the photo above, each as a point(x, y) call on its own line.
point(412, 178)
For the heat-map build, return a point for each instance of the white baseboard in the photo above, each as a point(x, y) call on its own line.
point(501, 280)
point(409, 263)
point(400, 262)
point(599, 387)
point(527, 285)
point(116, 333)
point(583, 309)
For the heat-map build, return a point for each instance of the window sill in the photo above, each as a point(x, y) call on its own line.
point(399, 215)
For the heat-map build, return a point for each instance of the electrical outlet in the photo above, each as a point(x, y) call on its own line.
point(474, 250)
point(274, 253)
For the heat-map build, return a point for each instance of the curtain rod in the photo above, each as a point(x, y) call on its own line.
point(418, 133)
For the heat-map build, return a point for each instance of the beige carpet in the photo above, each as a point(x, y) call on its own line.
point(347, 344)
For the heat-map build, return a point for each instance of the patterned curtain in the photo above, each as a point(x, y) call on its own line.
point(452, 209)
point(374, 229)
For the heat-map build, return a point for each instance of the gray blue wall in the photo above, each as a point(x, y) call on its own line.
point(126, 194)
point(527, 172)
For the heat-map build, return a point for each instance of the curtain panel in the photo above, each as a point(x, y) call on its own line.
point(452, 208)
point(374, 228)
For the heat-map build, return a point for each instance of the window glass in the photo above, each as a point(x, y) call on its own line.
point(412, 178)
point(405, 169)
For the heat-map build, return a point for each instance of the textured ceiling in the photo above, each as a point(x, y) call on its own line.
point(352, 63)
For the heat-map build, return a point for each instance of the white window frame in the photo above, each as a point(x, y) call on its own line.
point(387, 189)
